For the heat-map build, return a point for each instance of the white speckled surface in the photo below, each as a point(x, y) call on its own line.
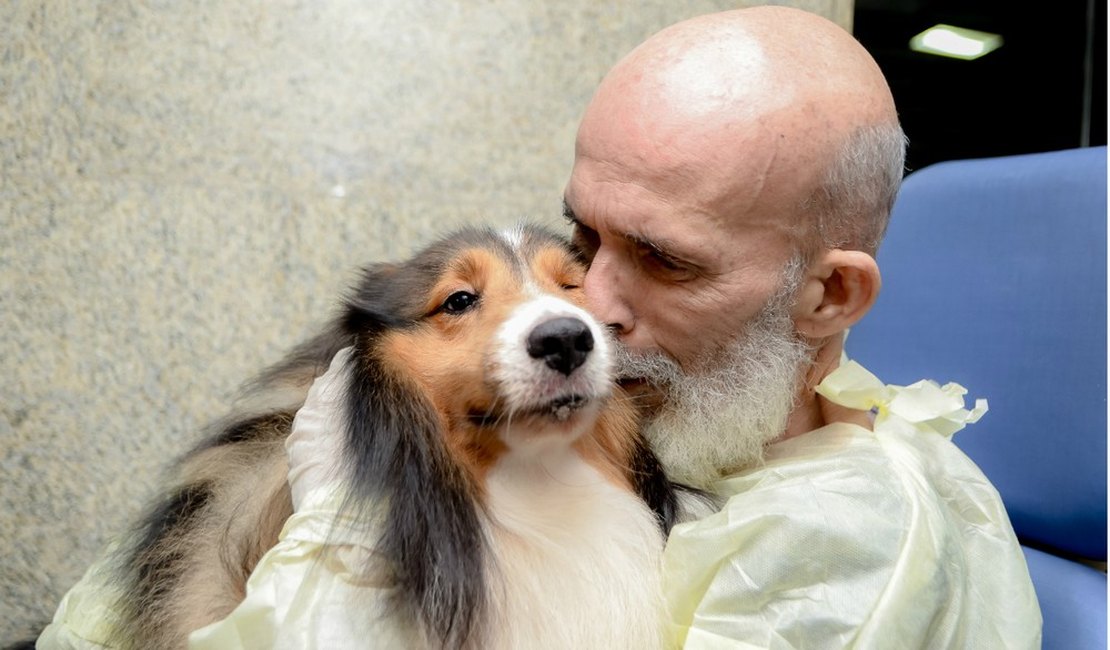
point(185, 188)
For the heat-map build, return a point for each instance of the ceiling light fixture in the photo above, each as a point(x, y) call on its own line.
point(955, 42)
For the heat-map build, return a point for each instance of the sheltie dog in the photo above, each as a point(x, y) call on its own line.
point(520, 506)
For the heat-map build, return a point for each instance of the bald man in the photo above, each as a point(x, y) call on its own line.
point(733, 177)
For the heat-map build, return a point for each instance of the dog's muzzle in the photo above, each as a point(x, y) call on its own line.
point(562, 343)
point(551, 359)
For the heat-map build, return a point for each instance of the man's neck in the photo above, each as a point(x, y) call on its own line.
point(813, 411)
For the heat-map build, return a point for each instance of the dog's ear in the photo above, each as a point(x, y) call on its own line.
point(373, 305)
point(431, 536)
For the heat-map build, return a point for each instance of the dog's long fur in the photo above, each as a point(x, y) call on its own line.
point(483, 546)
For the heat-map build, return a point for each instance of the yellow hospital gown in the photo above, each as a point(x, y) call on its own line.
point(850, 538)
point(842, 538)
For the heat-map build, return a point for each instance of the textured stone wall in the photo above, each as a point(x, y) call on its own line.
point(186, 188)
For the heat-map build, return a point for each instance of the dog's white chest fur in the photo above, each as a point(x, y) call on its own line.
point(576, 558)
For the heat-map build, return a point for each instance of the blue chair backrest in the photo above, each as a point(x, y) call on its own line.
point(994, 276)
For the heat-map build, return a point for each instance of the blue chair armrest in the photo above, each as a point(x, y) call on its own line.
point(1073, 601)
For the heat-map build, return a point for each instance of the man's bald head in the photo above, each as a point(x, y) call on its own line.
point(731, 180)
point(770, 110)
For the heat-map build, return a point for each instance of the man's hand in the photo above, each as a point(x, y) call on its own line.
point(315, 446)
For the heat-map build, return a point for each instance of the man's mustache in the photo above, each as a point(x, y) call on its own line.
point(653, 366)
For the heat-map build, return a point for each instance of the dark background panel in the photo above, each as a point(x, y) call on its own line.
point(1044, 89)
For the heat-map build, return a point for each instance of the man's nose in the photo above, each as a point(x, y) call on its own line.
point(605, 296)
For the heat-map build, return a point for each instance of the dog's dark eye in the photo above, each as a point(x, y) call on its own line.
point(569, 287)
point(459, 302)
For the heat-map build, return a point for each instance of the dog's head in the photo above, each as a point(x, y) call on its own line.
point(475, 348)
point(489, 328)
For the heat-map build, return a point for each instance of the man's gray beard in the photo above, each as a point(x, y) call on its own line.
point(719, 420)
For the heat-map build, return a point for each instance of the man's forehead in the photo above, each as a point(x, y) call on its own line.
point(746, 189)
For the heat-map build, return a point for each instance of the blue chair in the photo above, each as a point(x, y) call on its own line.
point(994, 276)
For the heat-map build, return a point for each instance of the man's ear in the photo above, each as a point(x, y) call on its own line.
point(838, 289)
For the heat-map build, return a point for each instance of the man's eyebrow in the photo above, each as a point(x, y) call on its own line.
point(659, 248)
point(569, 215)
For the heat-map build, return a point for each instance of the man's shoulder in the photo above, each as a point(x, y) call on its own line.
point(835, 465)
point(831, 497)
point(818, 528)
point(864, 532)
point(893, 470)
point(851, 503)
point(839, 496)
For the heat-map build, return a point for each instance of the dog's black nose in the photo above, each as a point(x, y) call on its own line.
point(562, 343)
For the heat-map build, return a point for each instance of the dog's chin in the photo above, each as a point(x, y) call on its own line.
point(561, 409)
point(563, 412)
